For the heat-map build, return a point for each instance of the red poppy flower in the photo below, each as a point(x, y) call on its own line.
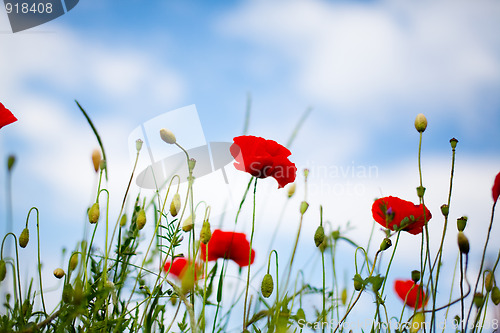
point(228, 245)
point(496, 188)
point(394, 214)
point(179, 267)
point(263, 158)
point(411, 292)
point(6, 117)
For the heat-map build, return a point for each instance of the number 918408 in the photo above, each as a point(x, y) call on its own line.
point(26, 8)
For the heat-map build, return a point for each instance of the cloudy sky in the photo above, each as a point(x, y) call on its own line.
point(365, 68)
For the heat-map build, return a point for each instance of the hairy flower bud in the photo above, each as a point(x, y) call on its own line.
point(386, 243)
point(123, 220)
point(495, 295)
point(319, 236)
point(267, 285)
point(73, 261)
point(205, 233)
point(59, 273)
point(303, 207)
point(420, 123)
point(3, 270)
point(141, 219)
point(478, 300)
point(461, 223)
point(167, 136)
point(358, 284)
point(489, 281)
point(463, 243)
point(96, 159)
point(94, 213)
point(188, 223)
point(291, 190)
point(175, 205)
point(24, 238)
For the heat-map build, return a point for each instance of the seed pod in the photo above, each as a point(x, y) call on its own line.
point(461, 223)
point(445, 210)
point(123, 220)
point(94, 213)
point(67, 294)
point(495, 295)
point(175, 205)
point(59, 273)
point(453, 143)
point(303, 207)
point(205, 233)
point(420, 123)
point(463, 243)
point(24, 238)
point(96, 159)
point(3, 270)
point(415, 276)
point(386, 243)
point(478, 300)
point(319, 236)
point(267, 285)
point(489, 281)
point(73, 261)
point(138, 145)
point(141, 219)
point(191, 164)
point(167, 136)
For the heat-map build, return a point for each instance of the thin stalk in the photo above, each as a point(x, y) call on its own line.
point(249, 256)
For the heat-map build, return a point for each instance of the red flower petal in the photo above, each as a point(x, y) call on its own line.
point(263, 158)
point(390, 212)
point(496, 188)
point(411, 292)
point(6, 117)
point(229, 245)
point(178, 267)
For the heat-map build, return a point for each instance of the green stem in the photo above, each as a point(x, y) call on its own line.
point(249, 256)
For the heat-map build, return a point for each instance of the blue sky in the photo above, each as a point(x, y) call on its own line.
point(366, 68)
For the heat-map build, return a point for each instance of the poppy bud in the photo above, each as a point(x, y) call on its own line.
point(415, 276)
point(495, 295)
point(417, 322)
point(94, 213)
point(453, 143)
point(478, 300)
point(358, 284)
point(138, 145)
point(141, 219)
point(205, 233)
point(175, 205)
point(96, 159)
point(420, 123)
point(445, 210)
point(188, 280)
point(3, 270)
point(335, 234)
point(324, 245)
point(267, 285)
point(67, 294)
point(343, 296)
point(123, 220)
point(303, 207)
point(24, 238)
point(420, 191)
point(191, 163)
point(102, 165)
point(188, 223)
point(167, 136)
point(59, 273)
point(73, 261)
point(319, 236)
point(301, 315)
point(461, 223)
point(291, 190)
point(386, 243)
point(463, 243)
point(489, 281)
point(11, 160)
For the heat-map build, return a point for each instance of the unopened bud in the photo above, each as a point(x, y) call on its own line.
point(358, 284)
point(188, 279)
point(188, 223)
point(319, 236)
point(167, 136)
point(420, 191)
point(205, 233)
point(415, 276)
point(267, 285)
point(453, 143)
point(138, 144)
point(96, 159)
point(123, 220)
point(417, 322)
point(420, 123)
point(3, 270)
point(24, 238)
point(141, 219)
point(386, 243)
point(306, 173)
point(324, 245)
point(343, 296)
point(73, 261)
point(94, 213)
point(59, 273)
point(291, 190)
point(102, 165)
point(463, 243)
point(478, 300)
point(445, 209)
point(175, 205)
point(489, 281)
point(303, 207)
point(301, 315)
point(495, 295)
point(11, 160)
point(335, 234)
point(461, 223)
